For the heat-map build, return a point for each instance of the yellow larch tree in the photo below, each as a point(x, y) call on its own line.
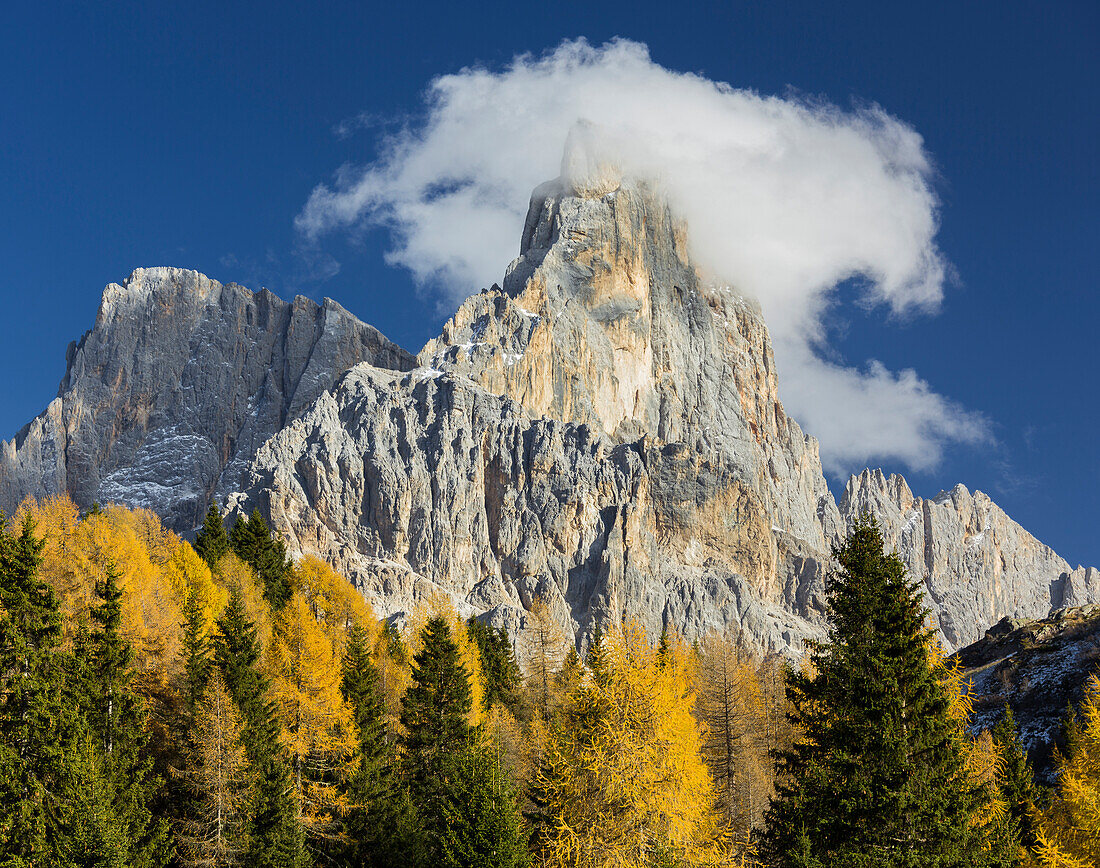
point(216, 776)
point(232, 572)
point(981, 754)
point(189, 574)
point(622, 781)
point(318, 723)
point(732, 704)
point(1069, 830)
point(545, 646)
point(335, 603)
point(78, 550)
point(63, 560)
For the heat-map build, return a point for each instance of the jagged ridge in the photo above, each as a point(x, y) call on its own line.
point(168, 397)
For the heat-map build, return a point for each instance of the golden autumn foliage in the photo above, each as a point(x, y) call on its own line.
point(76, 556)
point(302, 645)
point(1069, 830)
point(622, 782)
point(335, 604)
point(981, 755)
point(734, 707)
point(319, 731)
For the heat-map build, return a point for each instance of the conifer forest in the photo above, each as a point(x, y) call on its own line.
point(216, 704)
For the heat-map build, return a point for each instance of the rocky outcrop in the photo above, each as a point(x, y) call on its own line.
point(425, 485)
point(976, 563)
point(168, 397)
point(1037, 667)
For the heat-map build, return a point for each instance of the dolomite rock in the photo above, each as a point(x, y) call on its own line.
point(1038, 667)
point(696, 502)
point(170, 394)
point(424, 485)
point(977, 565)
point(603, 319)
point(605, 430)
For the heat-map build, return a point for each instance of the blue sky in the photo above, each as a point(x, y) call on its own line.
point(192, 134)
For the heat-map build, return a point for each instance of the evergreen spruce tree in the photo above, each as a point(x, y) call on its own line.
point(436, 705)
point(211, 542)
point(116, 720)
point(196, 657)
point(498, 664)
point(1018, 787)
point(39, 729)
point(379, 826)
point(595, 658)
point(275, 835)
point(253, 543)
point(434, 712)
point(877, 778)
point(481, 821)
point(664, 647)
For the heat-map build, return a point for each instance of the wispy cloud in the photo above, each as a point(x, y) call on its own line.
point(785, 198)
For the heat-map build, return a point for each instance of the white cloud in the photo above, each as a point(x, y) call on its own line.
point(785, 198)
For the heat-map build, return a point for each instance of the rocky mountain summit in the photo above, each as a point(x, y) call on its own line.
point(168, 396)
point(602, 431)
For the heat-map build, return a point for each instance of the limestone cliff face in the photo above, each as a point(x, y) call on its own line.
point(604, 431)
point(425, 484)
point(180, 381)
point(977, 564)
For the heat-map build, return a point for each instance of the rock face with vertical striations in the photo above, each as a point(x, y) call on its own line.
point(977, 564)
point(168, 397)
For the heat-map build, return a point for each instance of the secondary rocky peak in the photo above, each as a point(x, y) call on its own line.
point(977, 564)
point(182, 378)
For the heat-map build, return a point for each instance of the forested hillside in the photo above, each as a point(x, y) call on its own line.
point(217, 704)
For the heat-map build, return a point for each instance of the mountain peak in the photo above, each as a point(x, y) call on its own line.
point(178, 383)
point(589, 167)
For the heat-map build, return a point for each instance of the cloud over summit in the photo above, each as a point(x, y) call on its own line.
point(784, 197)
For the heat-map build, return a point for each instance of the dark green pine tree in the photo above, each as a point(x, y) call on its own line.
point(498, 664)
point(434, 712)
point(380, 825)
point(275, 835)
point(1018, 787)
point(1071, 732)
point(664, 647)
point(211, 542)
point(253, 543)
point(481, 821)
point(116, 721)
point(436, 705)
point(595, 658)
point(38, 726)
point(195, 654)
point(877, 779)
